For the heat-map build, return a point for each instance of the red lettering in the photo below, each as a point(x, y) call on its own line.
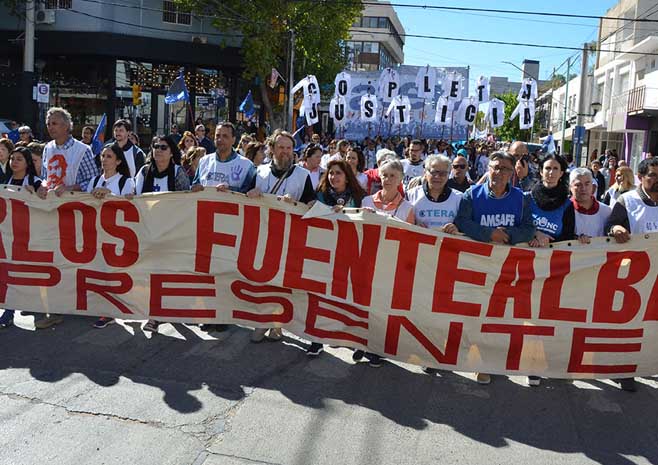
point(20, 222)
point(405, 271)
point(130, 254)
point(106, 291)
point(448, 357)
point(609, 282)
point(358, 264)
point(517, 334)
point(651, 313)
point(6, 279)
point(549, 307)
point(68, 232)
point(276, 227)
point(3, 215)
point(315, 309)
point(206, 236)
point(238, 288)
point(158, 291)
point(298, 252)
point(580, 345)
point(448, 273)
point(518, 264)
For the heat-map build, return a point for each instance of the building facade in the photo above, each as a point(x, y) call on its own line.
point(92, 53)
point(376, 39)
point(625, 82)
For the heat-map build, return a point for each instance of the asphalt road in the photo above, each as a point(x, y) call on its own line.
point(76, 395)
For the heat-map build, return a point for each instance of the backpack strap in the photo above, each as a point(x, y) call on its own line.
point(95, 182)
point(122, 183)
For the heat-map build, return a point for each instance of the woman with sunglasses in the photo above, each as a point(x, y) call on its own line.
point(162, 174)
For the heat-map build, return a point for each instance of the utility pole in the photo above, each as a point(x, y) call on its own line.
point(566, 101)
point(579, 133)
point(25, 99)
point(291, 81)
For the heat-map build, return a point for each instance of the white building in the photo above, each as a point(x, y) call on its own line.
point(376, 39)
point(625, 83)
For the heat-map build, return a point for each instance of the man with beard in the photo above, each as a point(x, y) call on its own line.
point(413, 166)
point(286, 179)
point(636, 212)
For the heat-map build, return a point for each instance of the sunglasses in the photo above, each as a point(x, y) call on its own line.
point(461, 167)
point(160, 146)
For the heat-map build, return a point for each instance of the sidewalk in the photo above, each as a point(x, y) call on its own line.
point(76, 395)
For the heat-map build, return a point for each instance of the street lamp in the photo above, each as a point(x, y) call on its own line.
point(522, 70)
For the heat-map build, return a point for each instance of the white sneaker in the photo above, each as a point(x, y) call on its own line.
point(276, 334)
point(258, 335)
point(534, 380)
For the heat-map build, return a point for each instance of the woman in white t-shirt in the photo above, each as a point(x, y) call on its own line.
point(357, 162)
point(114, 180)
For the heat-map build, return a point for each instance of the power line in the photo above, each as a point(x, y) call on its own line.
point(494, 42)
point(516, 12)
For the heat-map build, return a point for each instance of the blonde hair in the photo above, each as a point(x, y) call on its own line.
point(627, 181)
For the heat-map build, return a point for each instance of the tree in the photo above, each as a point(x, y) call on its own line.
point(265, 25)
point(510, 129)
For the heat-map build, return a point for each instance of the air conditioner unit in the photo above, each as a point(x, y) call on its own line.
point(44, 17)
point(199, 40)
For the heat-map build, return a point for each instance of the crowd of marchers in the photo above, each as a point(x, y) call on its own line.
point(487, 190)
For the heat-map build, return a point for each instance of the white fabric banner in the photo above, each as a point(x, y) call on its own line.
point(355, 278)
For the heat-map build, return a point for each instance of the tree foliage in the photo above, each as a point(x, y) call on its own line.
point(510, 129)
point(320, 29)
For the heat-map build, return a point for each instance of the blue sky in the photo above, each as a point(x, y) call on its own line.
point(486, 59)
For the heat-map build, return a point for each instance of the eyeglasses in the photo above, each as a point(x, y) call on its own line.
point(438, 174)
point(160, 146)
point(500, 169)
point(461, 167)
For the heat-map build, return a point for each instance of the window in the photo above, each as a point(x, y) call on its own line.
point(59, 4)
point(172, 13)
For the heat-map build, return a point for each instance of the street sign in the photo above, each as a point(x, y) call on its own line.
point(43, 92)
point(579, 135)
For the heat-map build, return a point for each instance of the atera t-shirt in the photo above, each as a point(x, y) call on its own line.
point(431, 214)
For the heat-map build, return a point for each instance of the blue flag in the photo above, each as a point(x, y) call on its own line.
point(177, 91)
point(297, 135)
point(99, 136)
point(247, 106)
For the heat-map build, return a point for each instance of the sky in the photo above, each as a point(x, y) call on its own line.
point(486, 59)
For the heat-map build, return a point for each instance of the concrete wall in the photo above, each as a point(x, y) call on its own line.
point(88, 16)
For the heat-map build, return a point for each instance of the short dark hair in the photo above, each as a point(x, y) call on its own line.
point(124, 123)
point(227, 124)
point(311, 149)
point(417, 142)
point(502, 156)
point(643, 168)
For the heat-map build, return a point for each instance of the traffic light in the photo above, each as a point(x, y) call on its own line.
point(137, 95)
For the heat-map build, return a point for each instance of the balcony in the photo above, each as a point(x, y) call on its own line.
point(643, 100)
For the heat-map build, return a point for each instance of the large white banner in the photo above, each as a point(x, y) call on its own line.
point(356, 279)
